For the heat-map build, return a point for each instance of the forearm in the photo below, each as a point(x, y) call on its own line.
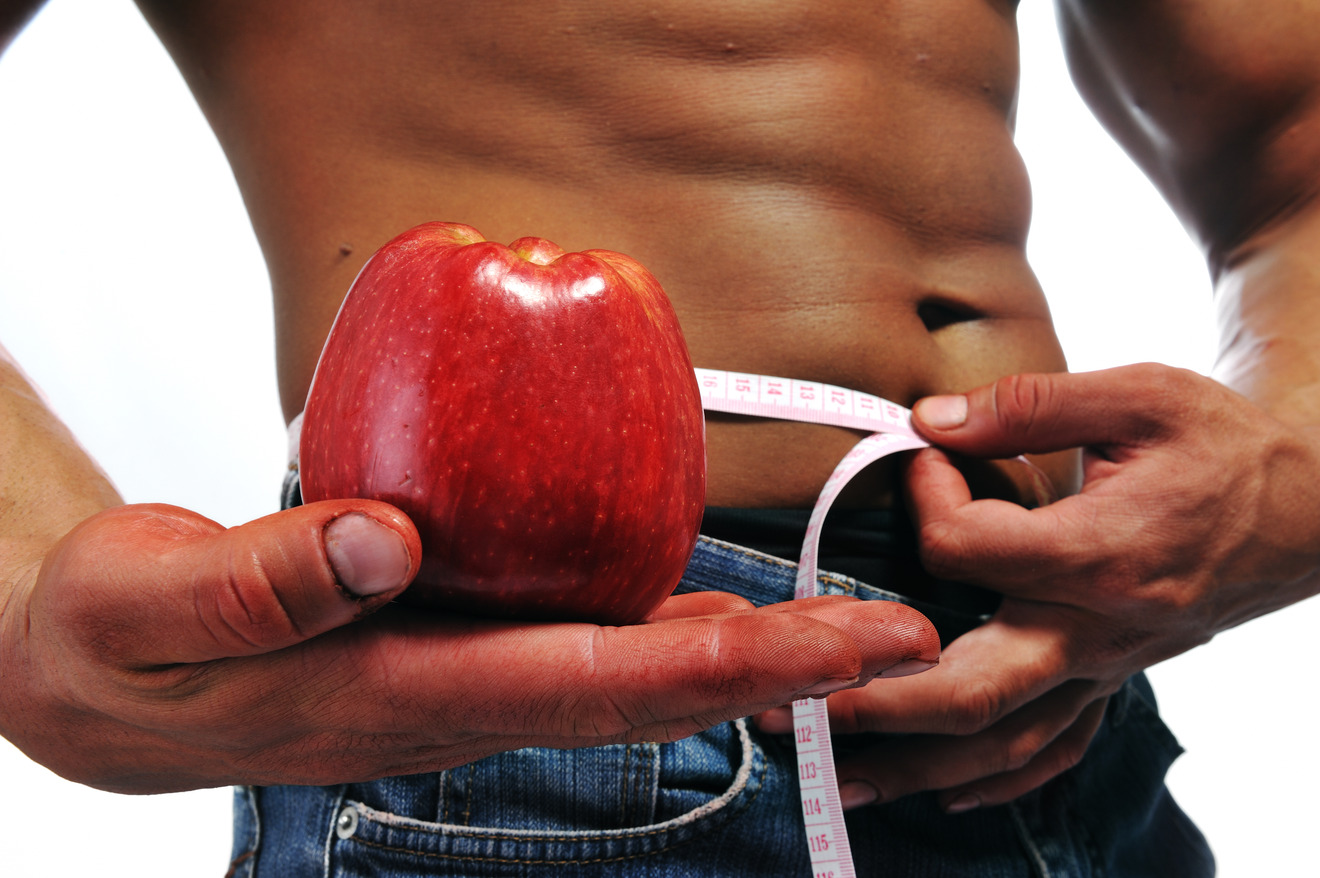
point(1220, 106)
point(1269, 322)
point(1268, 305)
point(48, 483)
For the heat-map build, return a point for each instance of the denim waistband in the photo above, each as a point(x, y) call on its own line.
point(765, 579)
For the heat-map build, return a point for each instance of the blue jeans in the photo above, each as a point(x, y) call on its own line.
point(723, 803)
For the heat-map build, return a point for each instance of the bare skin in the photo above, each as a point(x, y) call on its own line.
point(733, 149)
point(828, 193)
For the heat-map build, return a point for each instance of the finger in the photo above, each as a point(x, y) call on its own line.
point(155, 585)
point(886, 635)
point(897, 640)
point(1038, 413)
point(658, 681)
point(909, 645)
point(1011, 748)
point(983, 677)
point(1061, 754)
point(987, 541)
point(1034, 554)
point(699, 603)
point(408, 690)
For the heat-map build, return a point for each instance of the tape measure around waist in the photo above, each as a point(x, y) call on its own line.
point(890, 426)
point(793, 400)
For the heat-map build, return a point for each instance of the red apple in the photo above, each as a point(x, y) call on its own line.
point(534, 412)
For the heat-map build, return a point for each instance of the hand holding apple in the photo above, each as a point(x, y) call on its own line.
point(533, 411)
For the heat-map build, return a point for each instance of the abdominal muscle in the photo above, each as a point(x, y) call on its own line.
point(825, 191)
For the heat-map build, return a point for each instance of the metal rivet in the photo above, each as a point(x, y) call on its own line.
point(347, 822)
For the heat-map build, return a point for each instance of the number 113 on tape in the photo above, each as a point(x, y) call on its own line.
point(822, 813)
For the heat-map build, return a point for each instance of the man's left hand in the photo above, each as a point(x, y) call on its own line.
point(1197, 512)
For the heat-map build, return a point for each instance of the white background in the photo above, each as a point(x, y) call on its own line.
point(132, 289)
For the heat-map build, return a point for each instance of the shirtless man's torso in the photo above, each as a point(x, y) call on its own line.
point(826, 193)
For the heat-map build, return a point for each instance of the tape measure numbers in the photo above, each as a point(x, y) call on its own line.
point(891, 426)
point(891, 432)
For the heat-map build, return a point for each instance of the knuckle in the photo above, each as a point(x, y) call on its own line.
point(1021, 751)
point(977, 705)
point(247, 608)
point(1162, 391)
point(598, 703)
point(600, 716)
point(1161, 381)
point(849, 713)
point(1020, 400)
point(595, 710)
point(1059, 757)
point(940, 550)
point(1070, 755)
point(715, 676)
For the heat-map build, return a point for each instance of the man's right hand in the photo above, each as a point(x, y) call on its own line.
point(153, 650)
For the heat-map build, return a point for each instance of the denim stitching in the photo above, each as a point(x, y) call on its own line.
point(443, 794)
point(464, 858)
point(729, 799)
point(468, 793)
point(468, 858)
point(846, 585)
point(652, 779)
point(250, 799)
point(1024, 833)
point(625, 799)
point(330, 836)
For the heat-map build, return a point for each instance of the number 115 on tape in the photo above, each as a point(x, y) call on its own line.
point(822, 816)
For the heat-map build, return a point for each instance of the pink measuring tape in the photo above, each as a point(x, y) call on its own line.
point(890, 426)
point(891, 431)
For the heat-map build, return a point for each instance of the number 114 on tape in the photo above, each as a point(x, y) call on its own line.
point(822, 813)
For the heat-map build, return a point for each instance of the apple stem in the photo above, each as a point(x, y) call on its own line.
point(537, 251)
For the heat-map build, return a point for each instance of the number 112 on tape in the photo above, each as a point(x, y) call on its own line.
point(822, 812)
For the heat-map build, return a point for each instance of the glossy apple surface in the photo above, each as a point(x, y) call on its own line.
point(534, 412)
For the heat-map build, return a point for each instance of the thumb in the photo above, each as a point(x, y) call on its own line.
point(162, 585)
point(1040, 413)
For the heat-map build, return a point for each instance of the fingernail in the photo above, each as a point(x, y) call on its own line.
point(964, 802)
point(908, 668)
point(826, 687)
point(942, 412)
point(367, 557)
point(856, 793)
point(776, 721)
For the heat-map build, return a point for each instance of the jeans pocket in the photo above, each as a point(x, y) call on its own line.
point(552, 808)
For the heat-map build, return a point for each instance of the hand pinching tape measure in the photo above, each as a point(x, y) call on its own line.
point(891, 432)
